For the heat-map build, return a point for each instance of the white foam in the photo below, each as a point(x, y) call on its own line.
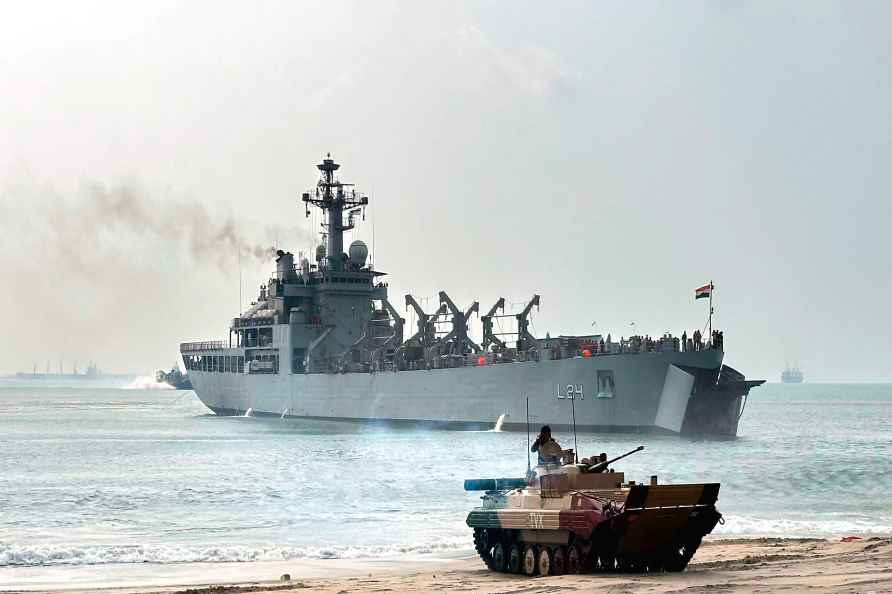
point(797, 528)
point(53, 555)
point(144, 382)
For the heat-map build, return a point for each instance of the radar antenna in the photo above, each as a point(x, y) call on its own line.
point(334, 197)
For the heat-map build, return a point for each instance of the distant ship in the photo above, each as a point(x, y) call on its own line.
point(175, 378)
point(792, 375)
point(92, 372)
point(323, 341)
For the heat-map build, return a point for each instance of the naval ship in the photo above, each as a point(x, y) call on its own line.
point(91, 373)
point(792, 375)
point(324, 341)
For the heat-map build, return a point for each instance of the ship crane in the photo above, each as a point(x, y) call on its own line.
point(395, 339)
point(489, 337)
point(426, 333)
point(372, 345)
point(457, 341)
point(525, 340)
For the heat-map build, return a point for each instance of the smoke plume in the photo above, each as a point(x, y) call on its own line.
point(130, 215)
point(120, 274)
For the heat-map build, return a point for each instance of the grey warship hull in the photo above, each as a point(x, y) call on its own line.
point(660, 392)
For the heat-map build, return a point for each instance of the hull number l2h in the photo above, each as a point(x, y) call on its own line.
point(570, 392)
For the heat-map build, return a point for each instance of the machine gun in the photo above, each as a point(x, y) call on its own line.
point(602, 466)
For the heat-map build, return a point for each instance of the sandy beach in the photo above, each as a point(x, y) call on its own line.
point(726, 566)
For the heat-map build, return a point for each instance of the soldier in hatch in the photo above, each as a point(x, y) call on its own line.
point(549, 450)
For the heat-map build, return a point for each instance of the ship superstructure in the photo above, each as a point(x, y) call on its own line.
point(324, 341)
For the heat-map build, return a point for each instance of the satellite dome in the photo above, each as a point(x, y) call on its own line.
point(358, 253)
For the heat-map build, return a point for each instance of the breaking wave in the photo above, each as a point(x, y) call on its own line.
point(144, 382)
point(23, 556)
point(790, 528)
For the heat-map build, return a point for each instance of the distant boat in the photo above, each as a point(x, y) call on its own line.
point(91, 373)
point(792, 375)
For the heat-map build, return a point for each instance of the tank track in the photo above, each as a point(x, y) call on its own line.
point(483, 547)
point(577, 557)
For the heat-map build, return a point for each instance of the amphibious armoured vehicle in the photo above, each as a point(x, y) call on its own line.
point(577, 518)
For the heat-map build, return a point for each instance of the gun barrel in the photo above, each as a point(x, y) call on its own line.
point(602, 465)
point(494, 484)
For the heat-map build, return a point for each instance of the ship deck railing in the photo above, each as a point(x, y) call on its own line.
point(207, 345)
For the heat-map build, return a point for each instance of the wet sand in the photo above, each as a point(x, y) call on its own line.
point(720, 566)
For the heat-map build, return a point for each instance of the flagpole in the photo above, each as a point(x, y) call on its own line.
point(711, 289)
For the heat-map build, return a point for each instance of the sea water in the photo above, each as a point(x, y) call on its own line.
point(97, 476)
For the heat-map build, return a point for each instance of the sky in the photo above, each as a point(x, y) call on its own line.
point(609, 157)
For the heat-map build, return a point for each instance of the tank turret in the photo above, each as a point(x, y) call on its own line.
point(577, 518)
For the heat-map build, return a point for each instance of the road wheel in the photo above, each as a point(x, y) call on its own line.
point(529, 560)
point(655, 564)
point(574, 560)
point(559, 561)
point(606, 562)
point(545, 563)
point(515, 556)
point(625, 564)
point(499, 558)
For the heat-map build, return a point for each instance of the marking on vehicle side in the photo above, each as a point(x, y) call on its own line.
point(537, 520)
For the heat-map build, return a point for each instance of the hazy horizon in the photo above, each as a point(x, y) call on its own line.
point(608, 157)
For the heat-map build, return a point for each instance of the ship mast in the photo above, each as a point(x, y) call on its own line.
point(333, 197)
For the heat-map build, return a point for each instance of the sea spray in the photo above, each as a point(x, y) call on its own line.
point(144, 382)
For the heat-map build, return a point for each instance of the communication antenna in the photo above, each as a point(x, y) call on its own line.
point(575, 445)
point(528, 434)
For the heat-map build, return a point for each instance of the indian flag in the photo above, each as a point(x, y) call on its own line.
point(704, 291)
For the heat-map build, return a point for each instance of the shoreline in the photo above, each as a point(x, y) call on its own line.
point(815, 565)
